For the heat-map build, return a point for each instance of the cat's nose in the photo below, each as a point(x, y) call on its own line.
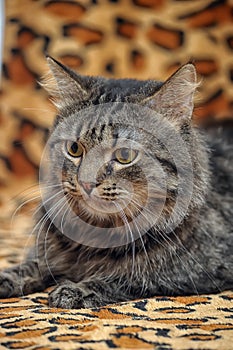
point(88, 186)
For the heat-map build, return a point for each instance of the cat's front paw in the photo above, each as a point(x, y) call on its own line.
point(66, 296)
point(71, 296)
point(7, 285)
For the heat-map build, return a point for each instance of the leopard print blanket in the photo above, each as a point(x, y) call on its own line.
point(115, 38)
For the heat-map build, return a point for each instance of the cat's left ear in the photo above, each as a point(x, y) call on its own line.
point(63, 84)
point(174, 99)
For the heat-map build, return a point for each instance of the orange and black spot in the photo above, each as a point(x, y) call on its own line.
point(167, 38)
point(126, 28)
point(85, 35)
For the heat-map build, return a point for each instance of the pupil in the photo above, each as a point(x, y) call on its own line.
point(125, 153)
point(74, 147)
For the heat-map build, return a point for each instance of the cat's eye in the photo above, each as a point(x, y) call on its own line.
point(125, 155)
point(74, 149)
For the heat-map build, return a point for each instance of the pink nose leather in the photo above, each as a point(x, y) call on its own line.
point(88, 186)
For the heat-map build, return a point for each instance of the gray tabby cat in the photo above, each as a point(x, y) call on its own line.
point(112, 165)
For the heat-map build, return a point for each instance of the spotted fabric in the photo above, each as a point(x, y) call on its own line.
point(162, 323)
point(116, 38)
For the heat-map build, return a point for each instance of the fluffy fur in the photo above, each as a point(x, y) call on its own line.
point(185, 253)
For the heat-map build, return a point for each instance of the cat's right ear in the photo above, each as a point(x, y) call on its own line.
point(174, 99)
point(63, 84)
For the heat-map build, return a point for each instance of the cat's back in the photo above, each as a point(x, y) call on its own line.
point(220, 141)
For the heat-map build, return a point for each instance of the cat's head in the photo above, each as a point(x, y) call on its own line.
point(124, 151)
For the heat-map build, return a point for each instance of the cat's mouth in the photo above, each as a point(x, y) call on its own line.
point(106, 204)
point(107, 197)
point(119, 209)
point(101, 205)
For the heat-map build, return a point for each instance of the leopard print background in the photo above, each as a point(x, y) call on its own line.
point(114, 38)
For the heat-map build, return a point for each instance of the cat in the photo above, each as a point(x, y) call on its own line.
point(136, 201)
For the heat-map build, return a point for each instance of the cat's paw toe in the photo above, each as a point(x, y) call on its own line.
point(66, 297)
point(6, 286)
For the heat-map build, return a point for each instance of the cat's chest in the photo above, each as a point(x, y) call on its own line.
point(78, 262)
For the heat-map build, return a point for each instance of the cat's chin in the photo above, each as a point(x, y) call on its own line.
point(101, 212)
point(101, 207)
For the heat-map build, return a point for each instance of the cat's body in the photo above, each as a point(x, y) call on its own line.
point(195, 256)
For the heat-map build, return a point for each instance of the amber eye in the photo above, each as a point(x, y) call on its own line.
point(125, 155)
point(74, 149)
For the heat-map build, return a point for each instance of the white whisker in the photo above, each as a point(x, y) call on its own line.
point(47, 232)
point(125, 220)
